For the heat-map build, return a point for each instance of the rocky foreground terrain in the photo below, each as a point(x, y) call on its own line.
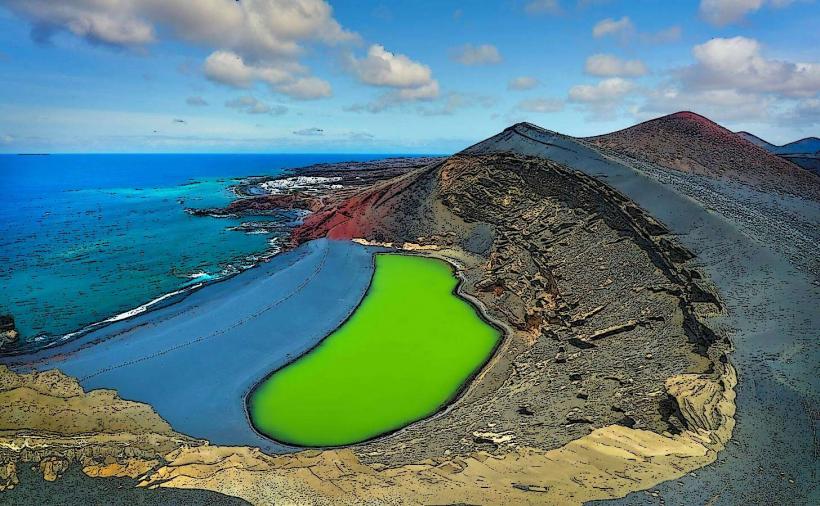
point(607, 380)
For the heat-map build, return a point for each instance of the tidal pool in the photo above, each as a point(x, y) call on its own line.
point(403, 354)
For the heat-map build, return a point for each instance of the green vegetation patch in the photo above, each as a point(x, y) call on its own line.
point(403, 354)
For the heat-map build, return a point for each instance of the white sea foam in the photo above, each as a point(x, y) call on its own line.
point(145, 307)
point(198, 279)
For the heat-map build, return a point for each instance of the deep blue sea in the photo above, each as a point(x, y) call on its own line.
point(86, 238)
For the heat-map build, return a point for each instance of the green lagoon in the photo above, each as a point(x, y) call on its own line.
point(404, 353)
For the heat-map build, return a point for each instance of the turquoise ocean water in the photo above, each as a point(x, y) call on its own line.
point(86, 238)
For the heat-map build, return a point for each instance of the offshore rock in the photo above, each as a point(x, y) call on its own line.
point(8, 332)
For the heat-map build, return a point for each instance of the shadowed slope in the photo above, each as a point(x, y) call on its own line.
point(804, 152)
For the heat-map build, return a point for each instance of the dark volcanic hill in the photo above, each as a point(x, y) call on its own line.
point(688, 142)
point(757, 141)
point(590, 288)
point(807, 146)
point(804, 153)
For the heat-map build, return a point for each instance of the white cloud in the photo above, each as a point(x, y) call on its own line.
point(622, 28)
point(738, 63)
point(255, 28)
point(229, 68)
point(410, 80)
point(522, 83)
point(306, 88)
point(267, 36)
point(541, 105)
point(426, 92)
point(485, 54)
point(607, 90)
point(252, 105)
point(383, 68)
point(113, 22)
point(606, 65)
point(535, 7)
point(724, 12)
point(733, 81)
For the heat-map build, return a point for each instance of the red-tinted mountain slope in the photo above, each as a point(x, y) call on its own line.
point(688, 142)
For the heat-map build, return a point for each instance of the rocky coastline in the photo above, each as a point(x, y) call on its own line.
point(8, 332)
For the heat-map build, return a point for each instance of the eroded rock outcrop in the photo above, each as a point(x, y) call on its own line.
point(8, 332)
point(46, 418)
point(607, 463)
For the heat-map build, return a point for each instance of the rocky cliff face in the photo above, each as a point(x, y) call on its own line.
point(47, 419)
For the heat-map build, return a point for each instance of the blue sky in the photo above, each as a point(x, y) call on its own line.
point(377, 76)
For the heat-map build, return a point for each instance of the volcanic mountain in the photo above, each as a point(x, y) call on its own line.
point(805, 152)
point(688, 142)
point(566, 264)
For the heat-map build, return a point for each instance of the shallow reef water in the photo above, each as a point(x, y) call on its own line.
point(84, 238)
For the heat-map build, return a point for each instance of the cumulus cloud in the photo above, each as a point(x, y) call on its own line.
point(738, 63)
point(196, 101)
point(230, 69)
point(621, 28)
point(606, 65)
point(607, 90)
point(258, 28)
point(309, 132)
point(114, 22)
point(485, 54)
point(306, 88)
point(540, 105)
point(625, 31)
point(383, 68)
point(522, 83)
point(603, 100)
point(409, 80)
point(724, 12)
point(267, 36)
point(733, 81)
point(535, 7)
point(252, 105)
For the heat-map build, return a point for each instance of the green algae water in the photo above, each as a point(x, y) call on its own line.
point(404, 353)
